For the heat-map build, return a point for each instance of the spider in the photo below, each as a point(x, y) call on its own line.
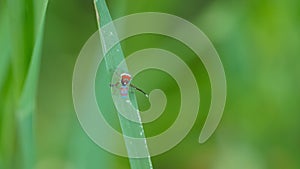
point(125, 83)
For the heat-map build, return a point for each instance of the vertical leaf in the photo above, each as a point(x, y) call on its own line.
point(113, 58)
point(26, 108)
point(23, 40)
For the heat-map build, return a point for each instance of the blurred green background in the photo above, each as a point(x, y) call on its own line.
point(258, 43)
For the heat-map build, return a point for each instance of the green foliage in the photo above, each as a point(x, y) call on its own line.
point(256, 40)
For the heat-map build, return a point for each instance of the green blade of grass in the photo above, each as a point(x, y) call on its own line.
point(7, 122)
point(27, 99)
point(112, 59)
point(21, 31)
point(26, 103)
point(4, 43)
point(7, 128)
point(4, 61)
point(7, 137)
point(21, 25)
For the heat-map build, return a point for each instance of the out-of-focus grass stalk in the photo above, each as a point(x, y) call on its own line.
point(7, 127)
point(4, 43)
point(21, 34)
point(24, 24)
point(27, 100)
point(112, 59)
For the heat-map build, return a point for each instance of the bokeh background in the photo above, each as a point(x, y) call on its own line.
point(258, 43)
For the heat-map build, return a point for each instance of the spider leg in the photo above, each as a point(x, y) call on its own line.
point(138, 89)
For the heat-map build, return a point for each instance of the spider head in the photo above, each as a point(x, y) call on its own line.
point(125, 79)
